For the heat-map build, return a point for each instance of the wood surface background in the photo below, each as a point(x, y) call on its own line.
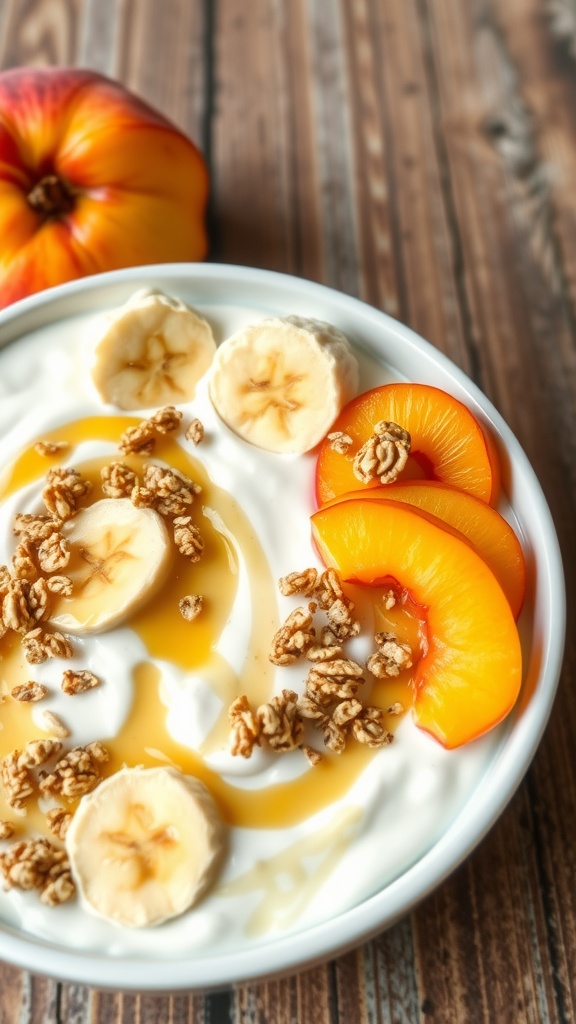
point(420, 154)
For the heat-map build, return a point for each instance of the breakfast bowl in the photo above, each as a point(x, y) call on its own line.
point(309, 860)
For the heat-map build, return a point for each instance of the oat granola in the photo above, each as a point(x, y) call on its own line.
point(191, 606)
point(384, 455)
point(195, 431)
point(78, 681)
point(188, 538)
point(29, 692)
point(38, 864)
point(76, 773)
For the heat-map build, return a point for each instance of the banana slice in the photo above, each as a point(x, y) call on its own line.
point(145, 845)
point(281, 383)
point(153, 351)
point(120, 556)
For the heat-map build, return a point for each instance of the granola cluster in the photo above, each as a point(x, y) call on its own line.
point(330, 702)
point(168, 491)
point(384, 455)
point(35, 574)
point(141, 439)
point(38, 864)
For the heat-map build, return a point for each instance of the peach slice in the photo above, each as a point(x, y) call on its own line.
point(469, 675)
point(488, 532)
point(448, 443)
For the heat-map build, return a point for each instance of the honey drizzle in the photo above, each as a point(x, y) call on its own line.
point(144, 738)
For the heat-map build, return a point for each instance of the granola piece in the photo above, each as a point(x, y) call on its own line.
point(173, 491)
point(339, 441)
point(245, 728)
point(16, 780)
point(38, 599)
point(191, 606)
point(397, 708)
point(389, 599)
point(35, 528)
point(166, 420)
point(139, 439)
point(59, 585)
point(314, 710)
point(7, 830)
point(334, 736)
point(76, 773)
point(280, 722)
point(346, 711)
point(39, 645)
point(65, 486)
point(38, 864)
point(5, 577)
point(341, 622)
point(326, 690)
point(322, 652)
point(369, 729)
point(53, 724)
point(335, 680)
point(328, 638)
point(330, 597)
point(51, 447)
point(304, 582)
point(142, 497)
point(78, 681)
point(24, 561)
point(383, 455)
point(188, 538)
point(312, 756)
point(293, 638)
point(329, 589)
point(391, 658)
point(16, 612)
point(29, 692)
point(54, 552)
point(58, 821)
point(195, 431)
point(118, 480)
point(38, 752)
point(60, 888)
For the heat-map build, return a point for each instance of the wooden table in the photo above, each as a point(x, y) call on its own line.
point(420, 154)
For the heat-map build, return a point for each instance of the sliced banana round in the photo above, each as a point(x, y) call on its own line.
point(152, 352)
point(119, 557)
point(281, 383)
point(145, 845)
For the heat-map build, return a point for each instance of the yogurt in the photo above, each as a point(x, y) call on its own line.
point(305, 843)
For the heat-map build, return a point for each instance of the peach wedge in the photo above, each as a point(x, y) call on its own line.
point(468, 677)
point(448, 443)
point(488, 532)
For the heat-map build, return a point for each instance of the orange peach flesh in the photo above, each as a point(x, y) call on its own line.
point(469, 677)
point(488, 532)
point(448, 443)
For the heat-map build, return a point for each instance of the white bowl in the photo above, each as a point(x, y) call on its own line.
point(386, 341)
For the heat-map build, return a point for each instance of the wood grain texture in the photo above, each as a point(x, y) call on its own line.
point(420, 154)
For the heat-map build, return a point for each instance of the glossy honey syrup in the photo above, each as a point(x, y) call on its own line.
point(144, 738)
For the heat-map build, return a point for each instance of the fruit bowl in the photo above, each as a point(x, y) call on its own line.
point(490, 771)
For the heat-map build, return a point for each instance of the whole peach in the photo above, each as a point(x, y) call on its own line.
point(91, 179)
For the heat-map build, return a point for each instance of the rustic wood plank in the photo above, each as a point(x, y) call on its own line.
point(250, 136)
point(407, 242)
point(504, 221)
point(160, 55)
point(98, 36)
point(40, 32)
